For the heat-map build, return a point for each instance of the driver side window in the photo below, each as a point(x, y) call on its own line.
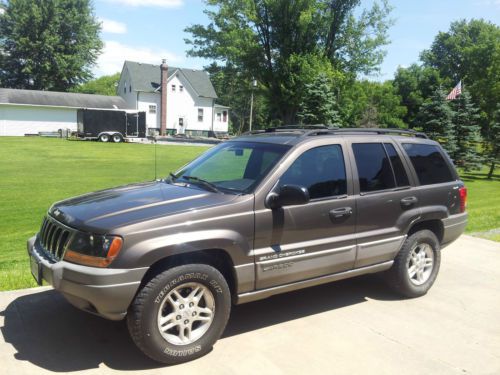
point(321, 170)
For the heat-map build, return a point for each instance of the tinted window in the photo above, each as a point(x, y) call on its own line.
point(321, 170)
point(397, 165)
point(429, 163)
point(374, 169)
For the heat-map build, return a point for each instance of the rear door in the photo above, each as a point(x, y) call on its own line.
point(386, 199)
point(305, 241)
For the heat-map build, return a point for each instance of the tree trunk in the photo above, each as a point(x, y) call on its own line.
point(492, 168)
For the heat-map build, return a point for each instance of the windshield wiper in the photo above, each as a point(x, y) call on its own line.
point(202, 182)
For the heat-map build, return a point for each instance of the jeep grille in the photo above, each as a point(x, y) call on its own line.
point(54, 237)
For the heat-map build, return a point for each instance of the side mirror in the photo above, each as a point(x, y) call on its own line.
point(288, 195)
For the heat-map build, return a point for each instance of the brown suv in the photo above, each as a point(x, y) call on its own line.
point(265, 213)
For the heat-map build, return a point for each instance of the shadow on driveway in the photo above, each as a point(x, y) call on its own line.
point(48, 332)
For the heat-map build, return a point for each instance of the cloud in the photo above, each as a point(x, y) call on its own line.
point(494, 3)
point(115, 53)
point(150, 3)
point(113, 27)
point(2, 11)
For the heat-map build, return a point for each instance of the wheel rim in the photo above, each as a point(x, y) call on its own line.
point(420, 263)
point(104, 138)
point(186, 313)
point(116, 138)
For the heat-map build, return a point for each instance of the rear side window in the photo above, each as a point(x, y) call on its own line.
point(321, 170)
point(429, 163)
point(374, 168)
point(397, 165)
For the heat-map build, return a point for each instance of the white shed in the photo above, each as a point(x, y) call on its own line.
point(31, 112)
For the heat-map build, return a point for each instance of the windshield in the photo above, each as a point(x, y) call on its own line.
point(232, 166)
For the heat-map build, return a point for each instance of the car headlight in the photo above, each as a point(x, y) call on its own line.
point(93, 249)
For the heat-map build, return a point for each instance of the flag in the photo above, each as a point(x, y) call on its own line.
point(457, 90)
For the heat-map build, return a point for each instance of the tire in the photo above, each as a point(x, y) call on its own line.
point(153, 307)
point(117, 138)
point(104, 138)
point(412, 273)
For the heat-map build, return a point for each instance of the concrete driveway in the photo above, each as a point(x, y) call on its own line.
point(349, 327)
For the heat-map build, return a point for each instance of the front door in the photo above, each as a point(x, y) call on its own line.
point(305, 241)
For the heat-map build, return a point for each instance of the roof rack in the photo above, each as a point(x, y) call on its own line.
point(314, 130)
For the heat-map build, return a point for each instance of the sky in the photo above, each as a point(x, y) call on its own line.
point(149, 30)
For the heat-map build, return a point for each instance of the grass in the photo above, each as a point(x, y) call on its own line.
point(35, 172)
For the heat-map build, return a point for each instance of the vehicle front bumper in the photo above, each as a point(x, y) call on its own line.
point(103, 291)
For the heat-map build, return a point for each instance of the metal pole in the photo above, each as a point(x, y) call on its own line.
point(251, 110)
point(254, 84)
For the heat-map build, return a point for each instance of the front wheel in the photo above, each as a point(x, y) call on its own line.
point(416, 266)
point(117, 138)
point(179, 314)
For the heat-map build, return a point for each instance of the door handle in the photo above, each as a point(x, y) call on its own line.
point(340, 212)
point(409, 201)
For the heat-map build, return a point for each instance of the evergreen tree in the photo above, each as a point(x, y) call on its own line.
point(435, 118)
point(318, 103)
point(493, 146)
point(48, 44)
point(467, 132)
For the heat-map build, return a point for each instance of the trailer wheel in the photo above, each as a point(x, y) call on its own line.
point(104, 138)
point(117, 138)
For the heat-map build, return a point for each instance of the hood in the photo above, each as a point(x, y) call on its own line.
point(102, 211)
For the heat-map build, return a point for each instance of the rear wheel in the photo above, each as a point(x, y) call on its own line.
point(416, 266)
point(117, 138)
point(104, 138)
point(180, 314)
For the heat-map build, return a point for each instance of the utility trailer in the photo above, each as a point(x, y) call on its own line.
point(107, 125)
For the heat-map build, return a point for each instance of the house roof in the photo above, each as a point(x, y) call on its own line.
point(147, 77)
point(60, 99)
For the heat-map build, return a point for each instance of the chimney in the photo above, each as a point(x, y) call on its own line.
point(163, 109)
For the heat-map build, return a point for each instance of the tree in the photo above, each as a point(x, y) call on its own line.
point(272, 40)
point(493, 151)
point(470, 51)
point(48, 44)
point(435, 118)
point(467, 133)
point(105, 85)
point(414, 85)
point(371, 104)
point(234, 90)
point(318, 103)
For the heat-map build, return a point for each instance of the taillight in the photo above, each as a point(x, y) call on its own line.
point(462, 192)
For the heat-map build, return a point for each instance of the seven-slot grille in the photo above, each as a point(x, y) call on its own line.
point(54, 237)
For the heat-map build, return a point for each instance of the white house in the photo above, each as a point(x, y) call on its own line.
point(188, 94)
point(32, 111)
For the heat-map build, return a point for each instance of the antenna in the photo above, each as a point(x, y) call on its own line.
point(155, 156)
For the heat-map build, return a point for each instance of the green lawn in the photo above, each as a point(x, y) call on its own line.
point(35, 172)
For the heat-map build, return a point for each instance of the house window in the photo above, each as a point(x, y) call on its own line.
point(152, 108)
point(200, 114)
point(181, 121)
point(181, 88)
point(224, 116)
point(173, 88)
point(219, 116)
point(124, 89)
point(130, 88)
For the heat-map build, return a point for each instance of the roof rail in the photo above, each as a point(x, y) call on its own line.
point(407, 132)
point(313, 130)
